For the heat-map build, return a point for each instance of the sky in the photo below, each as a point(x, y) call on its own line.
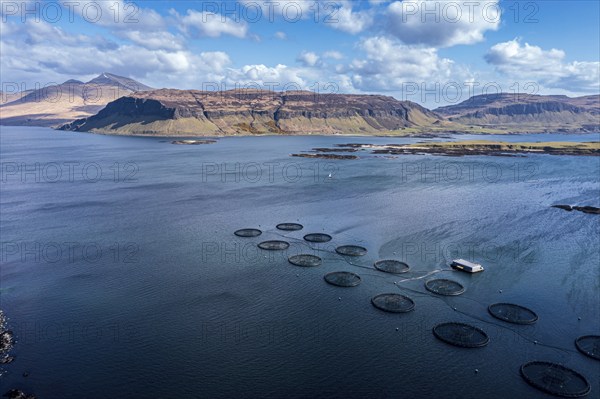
point(432, 52)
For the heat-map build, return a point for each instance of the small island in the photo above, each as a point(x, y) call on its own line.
point(496, 148)
point(461, 148)
point(193, 142)
point(585, 209)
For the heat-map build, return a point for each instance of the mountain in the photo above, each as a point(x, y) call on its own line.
point(107, 79)
point(119, 105)
point(527, 113)
point(55, 105)
point(201, 113)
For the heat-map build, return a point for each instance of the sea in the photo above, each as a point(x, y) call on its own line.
point(121, 276)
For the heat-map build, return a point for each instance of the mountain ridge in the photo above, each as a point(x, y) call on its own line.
point(55, 105)
point(114, 104)
point(533, 112)
point(194, 112)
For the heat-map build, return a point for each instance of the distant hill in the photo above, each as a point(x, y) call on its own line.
point(58, 104)
point(523, 112)
point(192, 112)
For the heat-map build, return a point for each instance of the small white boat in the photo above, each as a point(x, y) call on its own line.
point(466, 266)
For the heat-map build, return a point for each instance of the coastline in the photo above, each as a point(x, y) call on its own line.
point(413, 133)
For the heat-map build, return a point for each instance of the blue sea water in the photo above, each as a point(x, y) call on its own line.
point(121, 276)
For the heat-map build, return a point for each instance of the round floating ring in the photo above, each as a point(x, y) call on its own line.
point(351, 250)
point(512, 313)
point(460, 334)
point(343, 279)
point(442, 286)
point(289, 226)
point(305, 260)
point(317, 237)
point(394, 303)
point(248, 233)
point(555, 379)
point(589, 345)
point(391, 266)
point(274, 245)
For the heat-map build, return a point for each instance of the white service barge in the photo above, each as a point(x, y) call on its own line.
point(466, 266)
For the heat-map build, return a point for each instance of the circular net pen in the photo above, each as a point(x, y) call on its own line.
point(343, 279)
point(351, 250)
point(247, 232)
point(274, 245)
point(589, 345)
point(305, 260)
point(317, 237)
point(555, 379)
point(512, 313)
point(289, 226)
point(391, 266)
point(460, 334)
point(445, 287)
point(394, 303)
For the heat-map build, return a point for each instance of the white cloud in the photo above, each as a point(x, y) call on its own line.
point(126, 20)
point(287, 10)
point(442, 23)
point(308, 58)
point(115, 14)
point(389, 65)
point(44, 60)
point(349, 21)
point(211, 25)
point(547, 67)
point(280, 35)
point(155, 40)
point(334, 55)
point(278, 77)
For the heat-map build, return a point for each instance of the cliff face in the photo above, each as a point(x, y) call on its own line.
point(191, 112)
point(549, 112)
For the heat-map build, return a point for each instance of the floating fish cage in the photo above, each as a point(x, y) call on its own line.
point(394, 303)
point(274, 245)
point(317, 237)
point(461, 334)
point(351, 250)
point(512, 313)
point(589, 345)
point(289, 226)
point(343, 279)
point(305, 260)
point(555, 379)
point(248, 233)
point(445, 287)
point(391, 266)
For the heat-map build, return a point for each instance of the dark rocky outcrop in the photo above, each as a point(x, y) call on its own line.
point(463, 148)
point(565, 207)
point(18, 394)
point(585, 209)
point(325, 156)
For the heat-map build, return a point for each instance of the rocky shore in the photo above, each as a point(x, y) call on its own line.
point(584, 209)
point(461, 148)
point(6, 345)
point(193, 142)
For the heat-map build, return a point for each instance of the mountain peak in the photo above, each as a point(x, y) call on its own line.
point(73, 82)
point(106, 78)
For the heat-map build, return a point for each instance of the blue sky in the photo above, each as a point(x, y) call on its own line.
point(431, 52)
